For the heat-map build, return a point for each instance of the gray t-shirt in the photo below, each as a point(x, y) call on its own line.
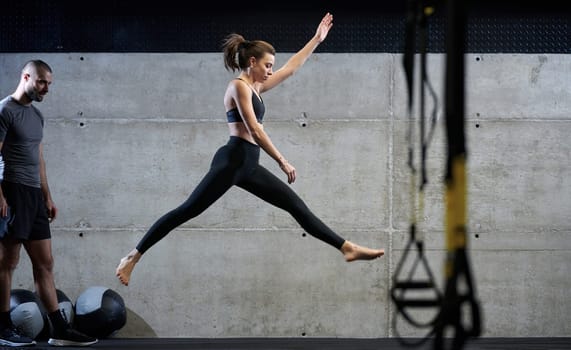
point(21, 131)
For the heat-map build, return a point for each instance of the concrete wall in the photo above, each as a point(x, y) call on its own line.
point(128, 136)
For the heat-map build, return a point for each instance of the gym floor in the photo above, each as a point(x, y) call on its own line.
point(314, 344)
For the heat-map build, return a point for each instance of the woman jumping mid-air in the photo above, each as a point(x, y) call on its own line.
point(237, 162)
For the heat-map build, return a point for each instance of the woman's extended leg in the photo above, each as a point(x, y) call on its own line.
point(221, 176)
point(271, 189)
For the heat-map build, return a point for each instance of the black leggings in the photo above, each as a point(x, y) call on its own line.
point(237, 163)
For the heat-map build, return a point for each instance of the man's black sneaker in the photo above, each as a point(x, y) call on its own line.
point(71, 337)
point(12, 337)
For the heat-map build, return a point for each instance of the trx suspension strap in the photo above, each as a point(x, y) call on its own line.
point(459, 295)
point(412, 283)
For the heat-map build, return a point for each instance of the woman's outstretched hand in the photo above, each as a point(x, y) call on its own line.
point(324, 26)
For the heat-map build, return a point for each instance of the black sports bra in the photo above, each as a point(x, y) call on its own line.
point(233, 115)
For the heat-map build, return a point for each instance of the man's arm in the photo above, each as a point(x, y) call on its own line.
point(52, 210)
point(3, 204)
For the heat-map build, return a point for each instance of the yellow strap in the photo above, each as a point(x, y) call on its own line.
point(456, 205)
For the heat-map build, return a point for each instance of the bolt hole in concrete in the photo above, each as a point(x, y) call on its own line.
point(303, 120)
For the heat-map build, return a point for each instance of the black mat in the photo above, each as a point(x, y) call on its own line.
point(312, 343)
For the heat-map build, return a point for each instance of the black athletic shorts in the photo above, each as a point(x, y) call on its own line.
point(28, 218)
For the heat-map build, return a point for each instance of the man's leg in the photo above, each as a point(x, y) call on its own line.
point(40, 252)
point(9, 258)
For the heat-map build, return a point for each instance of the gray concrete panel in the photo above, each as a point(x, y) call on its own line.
point(198, 283)
point(519, 175)
point(127, 173)
point(191, 86)
point(524, 292)
point(534, 86)
point(498, 86)
point(514, 169)
point(336, 86)
point(130, 85)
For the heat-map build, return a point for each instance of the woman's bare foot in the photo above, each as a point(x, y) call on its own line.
point(352, 251)
point(126, 266)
